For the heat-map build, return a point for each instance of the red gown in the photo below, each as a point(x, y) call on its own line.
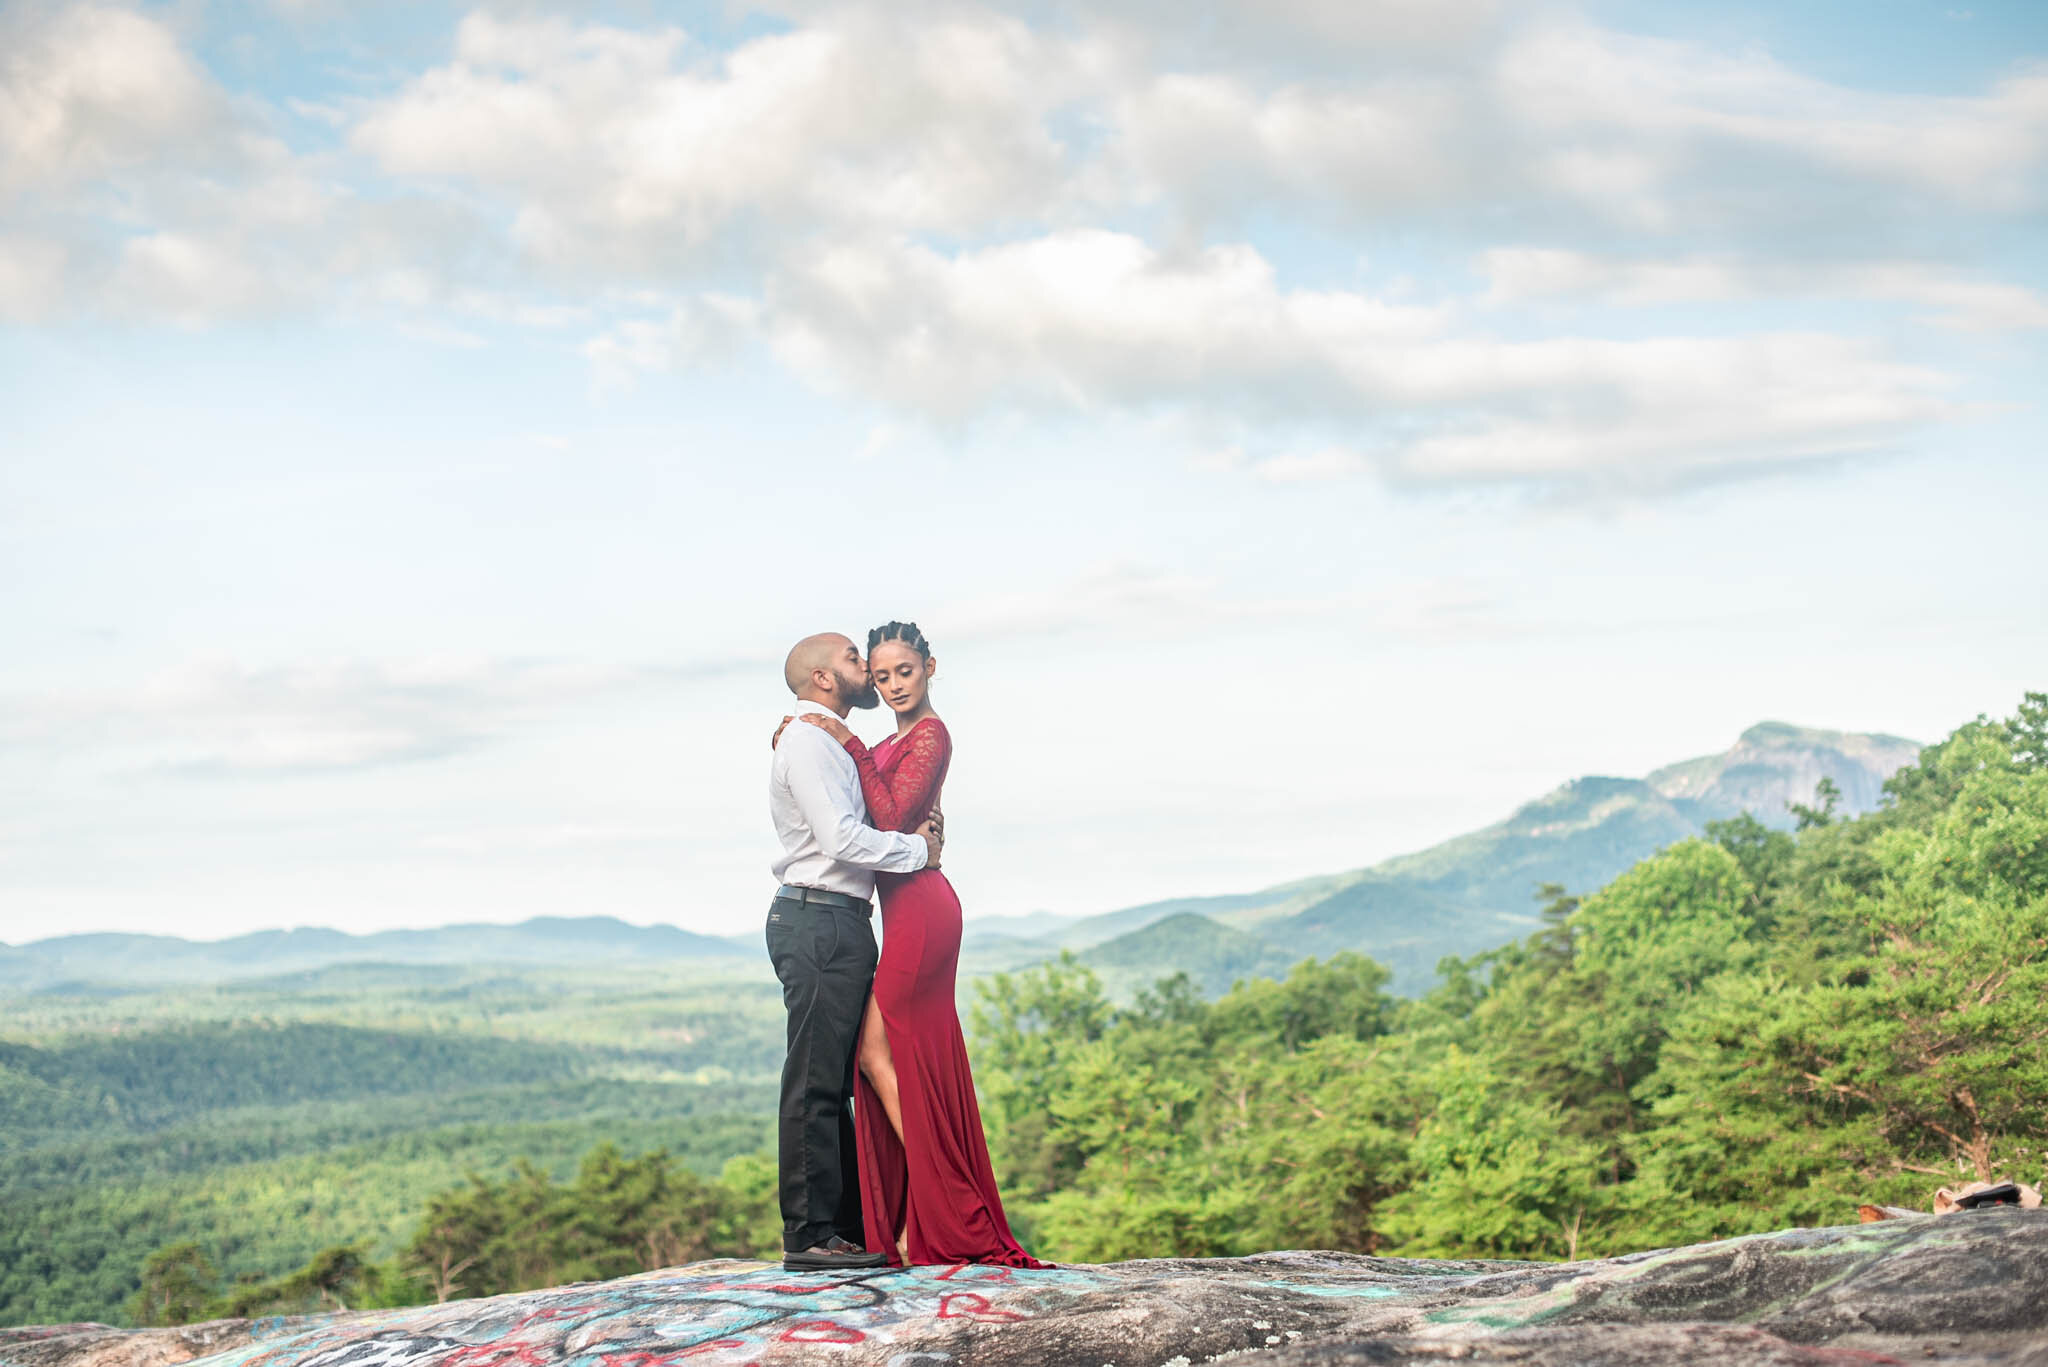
point(936, 1184)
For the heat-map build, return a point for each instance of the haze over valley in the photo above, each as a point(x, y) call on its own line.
point(1462, 896)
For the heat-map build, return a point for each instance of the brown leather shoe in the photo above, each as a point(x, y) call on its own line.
point(836, 1256)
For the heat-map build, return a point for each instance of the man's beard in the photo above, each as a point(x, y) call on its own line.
point(861, 696)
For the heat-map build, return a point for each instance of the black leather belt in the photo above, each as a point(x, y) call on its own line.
point(821, 897)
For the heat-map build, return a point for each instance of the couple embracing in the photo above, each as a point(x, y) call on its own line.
point(904, 1178)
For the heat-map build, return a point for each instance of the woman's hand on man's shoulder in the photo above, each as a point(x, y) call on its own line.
point(829, 724)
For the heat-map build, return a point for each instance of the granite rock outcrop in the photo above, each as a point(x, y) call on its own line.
point(1967, 1289)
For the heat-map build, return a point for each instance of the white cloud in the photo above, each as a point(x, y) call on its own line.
point(691, 333)
point(1093, 321)
point(222, 717)
point(32, 271)
point(635, 152)
point(1073, 320)
point(172, 201)
point(1214, 145)
point(1397, 33)
point(88, 90)
point(1953, 298)
point(950, 212)
point(1578, 128)
point(1629, 415)
point(1658, 132)
point(616, 156)
point(189, 279)
point(1519, 274)
point(1956, 300)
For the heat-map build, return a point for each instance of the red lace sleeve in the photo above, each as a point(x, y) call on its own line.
point(905, 797)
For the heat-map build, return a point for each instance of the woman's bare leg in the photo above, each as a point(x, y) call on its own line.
point(879, 1066)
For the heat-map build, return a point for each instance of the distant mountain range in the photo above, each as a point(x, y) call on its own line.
point(1460, 897)
point(1470, 893)
point(551, 941)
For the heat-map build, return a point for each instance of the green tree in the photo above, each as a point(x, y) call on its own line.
point(1915, 1051)
point(1344, 994)
point(1942, 1028)
point(1764, 855)
point(1324, 1137)
point(620, 1215)
point(1826, 797)
point(178, 1283)
point(749, 1221)
point(331, 1280)
point(1026, 1028)
point(1498, 1174)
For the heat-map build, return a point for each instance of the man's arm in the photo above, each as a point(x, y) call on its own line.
point(829, 808)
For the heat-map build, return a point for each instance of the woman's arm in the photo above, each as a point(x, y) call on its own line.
point(830, 809)
point(892, 800)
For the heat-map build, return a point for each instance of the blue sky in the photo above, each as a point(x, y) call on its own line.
point(1303, 435)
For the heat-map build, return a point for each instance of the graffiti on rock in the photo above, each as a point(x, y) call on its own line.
point(709, 1313)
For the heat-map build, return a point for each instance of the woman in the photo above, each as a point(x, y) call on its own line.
point(927, 1189)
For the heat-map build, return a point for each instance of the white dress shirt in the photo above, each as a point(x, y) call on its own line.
point(814, 796)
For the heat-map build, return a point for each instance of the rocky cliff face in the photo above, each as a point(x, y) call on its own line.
point(1969, 1288)
point(1774, 763)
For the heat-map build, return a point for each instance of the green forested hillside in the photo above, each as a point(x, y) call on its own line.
point(267, 1121)
point(1212, 956)
point(76, 1251)
point(1742, 1032)
point(144, 1081)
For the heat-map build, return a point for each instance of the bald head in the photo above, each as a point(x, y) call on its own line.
point(830, 652)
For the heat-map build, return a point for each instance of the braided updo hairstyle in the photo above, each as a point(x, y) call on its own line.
point(906, 632)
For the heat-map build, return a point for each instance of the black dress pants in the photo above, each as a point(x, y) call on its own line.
point(825, 957)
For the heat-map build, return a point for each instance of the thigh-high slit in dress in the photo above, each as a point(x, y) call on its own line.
point(935, 1184)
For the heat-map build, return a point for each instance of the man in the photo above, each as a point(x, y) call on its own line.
point(823, 945)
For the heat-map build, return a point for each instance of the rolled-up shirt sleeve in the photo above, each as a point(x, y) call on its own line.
point(830, 803)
